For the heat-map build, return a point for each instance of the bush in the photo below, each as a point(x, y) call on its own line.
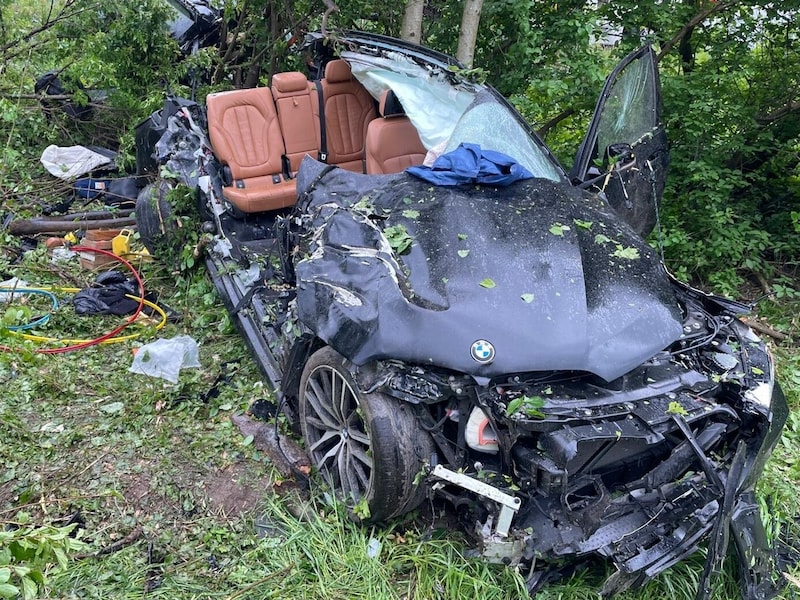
point(27, 551)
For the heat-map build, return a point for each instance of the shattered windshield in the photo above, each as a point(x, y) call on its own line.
point(446, 113)
point(491, 125)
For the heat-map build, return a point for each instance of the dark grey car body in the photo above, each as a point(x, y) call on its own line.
point(523, 355)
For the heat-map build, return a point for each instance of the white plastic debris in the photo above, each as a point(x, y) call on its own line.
point(165, 357)
point(11, 284)
point(374, 548)
point(71, 161)
point(14, 282)
point(223, 247)
point(62, 254)
point(250, 276)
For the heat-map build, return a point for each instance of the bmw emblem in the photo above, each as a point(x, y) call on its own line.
point(482, 352)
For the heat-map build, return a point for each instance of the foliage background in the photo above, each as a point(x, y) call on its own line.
point(730, 73)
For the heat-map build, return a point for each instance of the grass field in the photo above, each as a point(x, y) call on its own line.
point(166, 498)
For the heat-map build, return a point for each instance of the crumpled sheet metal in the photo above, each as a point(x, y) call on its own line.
point(544, 272)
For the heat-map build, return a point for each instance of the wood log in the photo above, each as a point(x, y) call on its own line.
point(90, 215)
point(766, 330)
point(33, 226)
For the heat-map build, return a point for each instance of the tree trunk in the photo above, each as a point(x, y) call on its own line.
point(469, 31)
point(411, 29)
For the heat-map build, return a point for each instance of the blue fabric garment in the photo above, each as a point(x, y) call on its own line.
point(469, 164)
point(90, 188)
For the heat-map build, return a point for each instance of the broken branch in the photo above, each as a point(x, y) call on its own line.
point(33, 226)
point(778, 114)
point(115, 546)
point(545, 129)
point(714, 8)
point(776, 335)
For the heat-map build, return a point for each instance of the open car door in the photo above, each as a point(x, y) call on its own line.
point(625, 152)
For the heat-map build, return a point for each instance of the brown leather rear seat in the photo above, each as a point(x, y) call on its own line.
point(246, 136)
point(348, 110)
point(393, 143)
point(295, 99)
point(262, 135)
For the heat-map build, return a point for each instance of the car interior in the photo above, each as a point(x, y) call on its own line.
point(260, 135)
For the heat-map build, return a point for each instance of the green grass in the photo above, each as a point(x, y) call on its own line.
point(157, 473)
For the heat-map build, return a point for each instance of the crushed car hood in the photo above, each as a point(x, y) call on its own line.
point(545, 273)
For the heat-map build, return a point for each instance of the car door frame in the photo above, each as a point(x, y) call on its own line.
point(634, 181)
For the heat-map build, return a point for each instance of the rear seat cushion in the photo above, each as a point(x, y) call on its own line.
point(299, 125)
point(244, 131)
point(348, 110)
point(261, 194)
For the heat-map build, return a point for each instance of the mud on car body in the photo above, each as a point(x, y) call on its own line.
point(515, 347)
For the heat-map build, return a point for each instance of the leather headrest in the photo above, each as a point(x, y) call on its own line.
point(338, 71)
point(390, 105)
point(293, 81)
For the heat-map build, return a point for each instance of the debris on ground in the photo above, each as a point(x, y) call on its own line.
point(72, 161)
point(284, 452)
point(165, 357)
point(63, 224)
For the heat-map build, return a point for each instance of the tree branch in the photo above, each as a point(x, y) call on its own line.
point(331, 9)
point(49, 23)
point(776, 115)
point(766, 330)
point(545, 129)
point(37, 96)
point(716, 7)
point(129, 539)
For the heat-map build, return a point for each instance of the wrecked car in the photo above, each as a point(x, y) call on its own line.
point(449, 314)
point(196, 24)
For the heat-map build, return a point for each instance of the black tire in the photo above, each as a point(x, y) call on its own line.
point(154, 216)
point(369, 447)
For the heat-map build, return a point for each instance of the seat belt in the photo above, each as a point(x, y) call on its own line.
point(323, 143)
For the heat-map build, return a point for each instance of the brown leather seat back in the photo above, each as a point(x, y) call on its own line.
point(246, 136)
point(298, 121)
point(348, 110)
point(392, 143)
point(244, 131)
